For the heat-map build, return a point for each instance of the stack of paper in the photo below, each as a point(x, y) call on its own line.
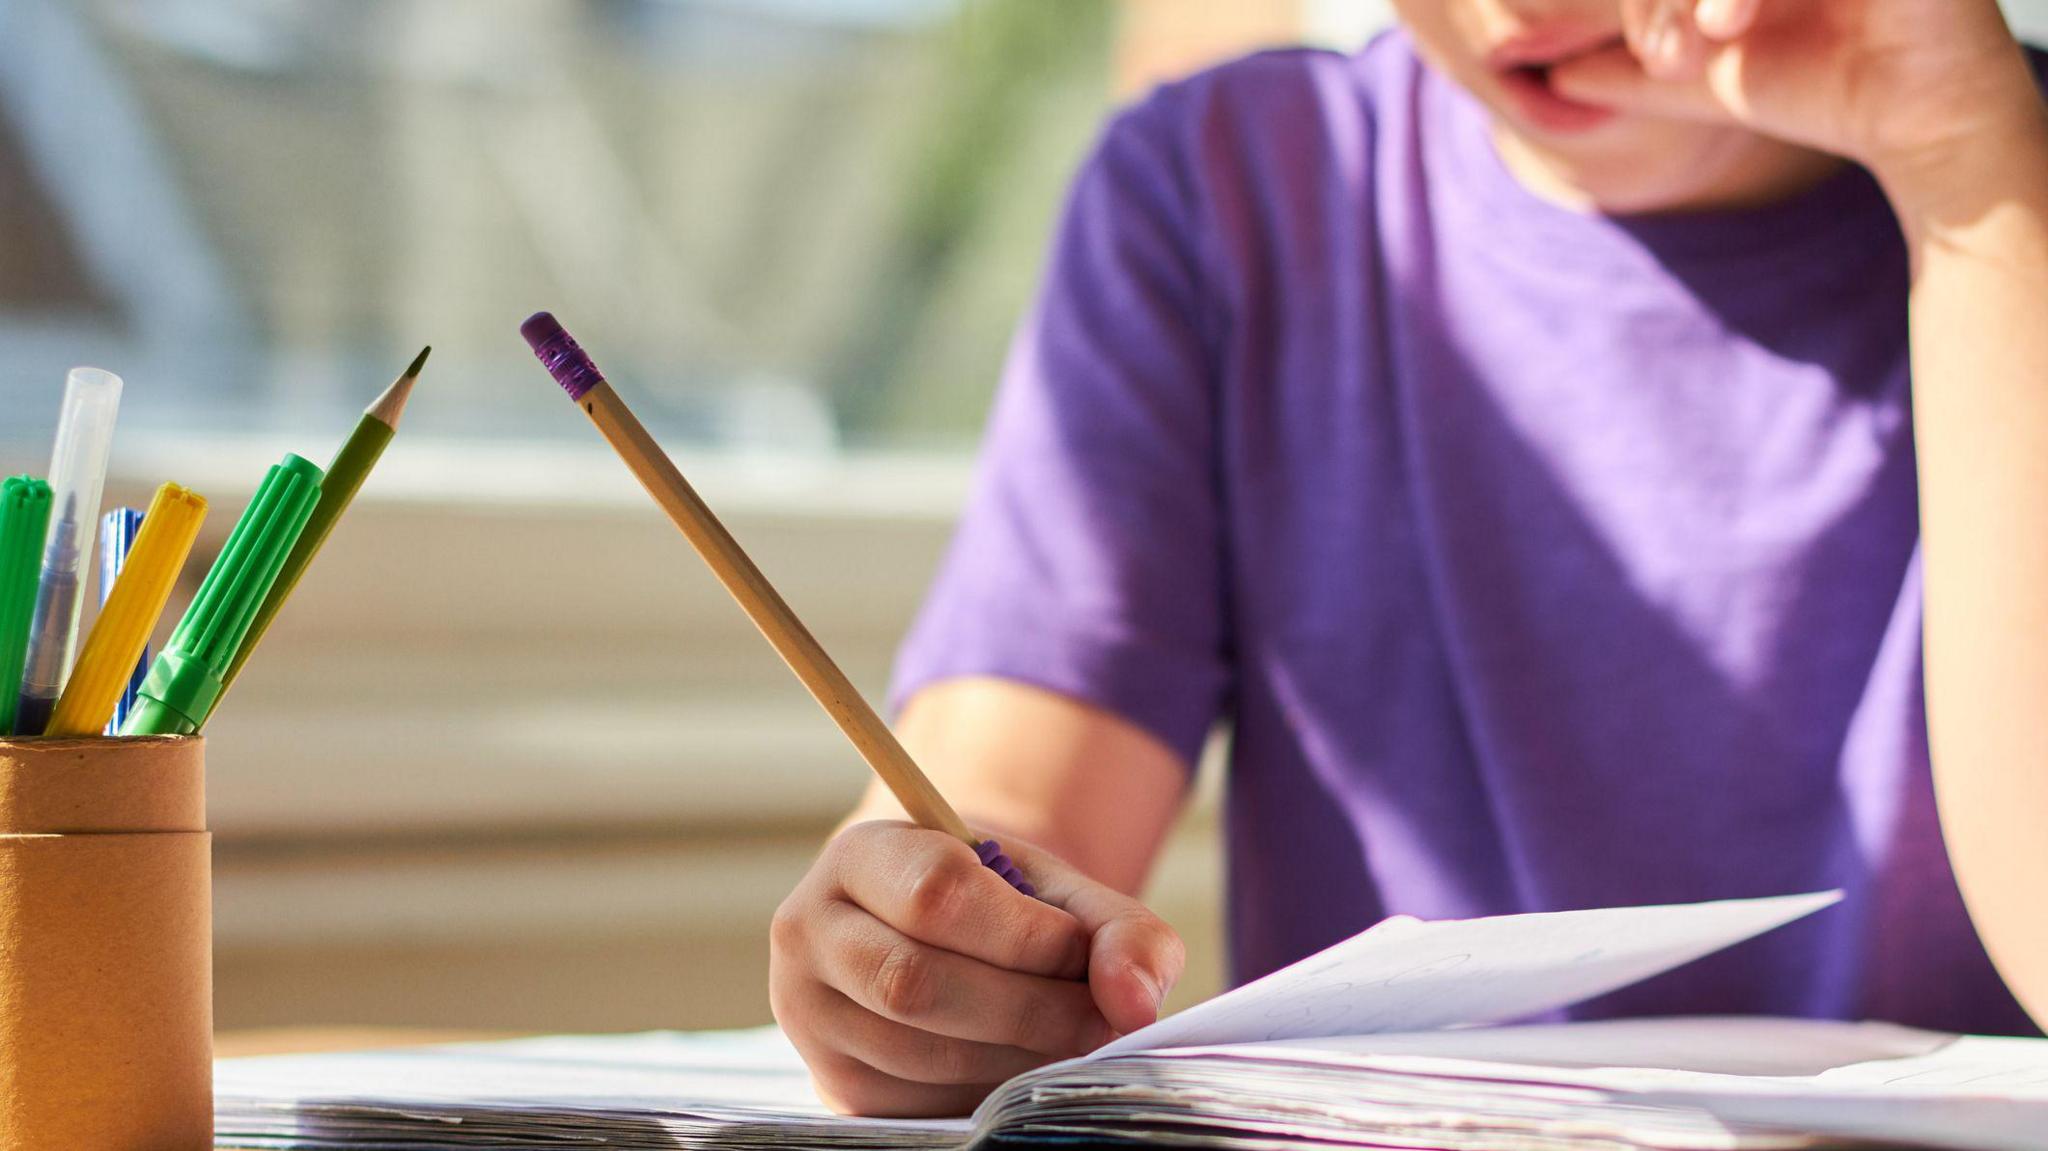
point(732, 1089)
point(1347, 1049)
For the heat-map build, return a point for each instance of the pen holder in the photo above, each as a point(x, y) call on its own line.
point(106, 946)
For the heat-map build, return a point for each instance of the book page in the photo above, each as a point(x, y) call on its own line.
point(1408, 975)
point(1750, 1045)
point(1676, 1083)
point(1975, 1093)
point(1974, 1064)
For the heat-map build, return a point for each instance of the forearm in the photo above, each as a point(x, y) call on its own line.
point(1019, 762)
point(989, 811)
point(1980, 380)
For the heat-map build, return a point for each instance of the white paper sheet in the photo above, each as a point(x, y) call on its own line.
point(2011, 1068)
point(1973, 1093)
point(1407, 975)
point(1755, 1045)
point(1835, 1083)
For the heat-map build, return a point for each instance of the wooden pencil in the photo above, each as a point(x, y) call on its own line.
point(756, 596)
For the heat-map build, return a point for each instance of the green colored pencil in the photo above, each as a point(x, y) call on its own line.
point(345, 476)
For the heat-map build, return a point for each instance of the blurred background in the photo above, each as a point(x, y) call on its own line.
point(512, 760)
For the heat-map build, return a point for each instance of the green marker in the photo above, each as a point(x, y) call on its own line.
point(185, 682)
point(24, 519)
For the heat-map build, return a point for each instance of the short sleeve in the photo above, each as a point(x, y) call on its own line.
point(1089, 560)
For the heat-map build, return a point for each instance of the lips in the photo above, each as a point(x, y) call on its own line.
point(1543, 49)
point(1523, 66)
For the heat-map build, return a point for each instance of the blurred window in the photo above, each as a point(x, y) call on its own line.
point(809, 223)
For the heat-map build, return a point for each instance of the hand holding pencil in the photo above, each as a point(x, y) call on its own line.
point(912, 980)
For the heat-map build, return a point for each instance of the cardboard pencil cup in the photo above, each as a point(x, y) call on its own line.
point(106, 953)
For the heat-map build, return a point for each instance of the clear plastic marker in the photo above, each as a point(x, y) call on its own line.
point(78, 472)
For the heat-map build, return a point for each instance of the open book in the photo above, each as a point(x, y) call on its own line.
point(1372, 1043)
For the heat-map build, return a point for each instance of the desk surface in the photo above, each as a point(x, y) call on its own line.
point(311, 1040)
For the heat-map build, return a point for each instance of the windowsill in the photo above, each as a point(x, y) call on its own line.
point(494, 476)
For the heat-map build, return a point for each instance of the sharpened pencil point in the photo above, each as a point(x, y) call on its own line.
point(391, 405)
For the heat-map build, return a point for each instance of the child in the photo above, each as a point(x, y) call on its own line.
point(1507, 429)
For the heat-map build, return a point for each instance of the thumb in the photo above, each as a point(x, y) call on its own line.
point(1134, 958)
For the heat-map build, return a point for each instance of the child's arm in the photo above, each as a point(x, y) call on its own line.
point(1978, 222)
point(1936, 99)
point(1077, 781)
point(912, 978)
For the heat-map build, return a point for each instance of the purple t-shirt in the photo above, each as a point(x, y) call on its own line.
point(1537, 560)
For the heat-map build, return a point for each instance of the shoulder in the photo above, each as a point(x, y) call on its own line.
point(1301, 79)
point(1272, 114)
point(1228, 159)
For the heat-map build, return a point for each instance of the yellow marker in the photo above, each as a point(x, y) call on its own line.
point(130, 615)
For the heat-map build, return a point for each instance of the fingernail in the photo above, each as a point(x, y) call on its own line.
point(1713, 14)
point(1660, 39)
point(1151, 985)
point(1662, 45)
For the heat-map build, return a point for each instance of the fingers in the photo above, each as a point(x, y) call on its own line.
point(913, 980)
point(949, 994)
point(1664, 36)
point(1726, 20)
point(864, 1065)
point(1616, 78)
point(913, 1056)
point(851, 1087)
point(934, 889)
point(1674, 38)
point(1134, 958)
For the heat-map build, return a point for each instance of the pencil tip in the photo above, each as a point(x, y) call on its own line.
point(391, 405)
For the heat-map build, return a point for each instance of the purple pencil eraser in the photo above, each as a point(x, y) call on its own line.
point(560, 354)
point(992, 857)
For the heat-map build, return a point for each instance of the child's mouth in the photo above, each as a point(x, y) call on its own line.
point(1529, 87)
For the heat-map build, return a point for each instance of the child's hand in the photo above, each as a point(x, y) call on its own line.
point(1896, 85)
point(914, 980)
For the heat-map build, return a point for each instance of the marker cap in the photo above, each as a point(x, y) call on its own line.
point(185, 681)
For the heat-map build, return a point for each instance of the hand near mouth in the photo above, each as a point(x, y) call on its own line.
point(1888, 83)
